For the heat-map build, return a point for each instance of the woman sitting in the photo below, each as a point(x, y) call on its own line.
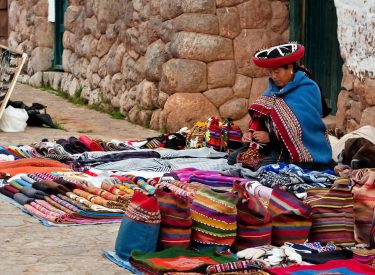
point(286, 121)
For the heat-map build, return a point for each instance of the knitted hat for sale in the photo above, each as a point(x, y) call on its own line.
point(279, 55)
point(139, 227)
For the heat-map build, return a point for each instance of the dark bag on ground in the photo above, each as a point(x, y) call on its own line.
point(37, 117)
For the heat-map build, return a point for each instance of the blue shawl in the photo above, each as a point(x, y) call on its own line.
point(296, 112)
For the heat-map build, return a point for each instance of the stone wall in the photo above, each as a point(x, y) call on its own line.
point(167, 63)
point(30, 32)
point(356, 102)
point(164, 63)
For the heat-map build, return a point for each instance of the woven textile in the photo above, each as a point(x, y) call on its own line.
point(332, 213)
point(139, 226)
point(177, 259)
point(254, 224)
point(364, 203)
point(98, 200)
point(332, 267)
point(214, 216)
point(245, 266)
point(175, 227)
point(291, 220)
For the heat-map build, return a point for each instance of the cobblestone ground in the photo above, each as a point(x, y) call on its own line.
point(28, 247)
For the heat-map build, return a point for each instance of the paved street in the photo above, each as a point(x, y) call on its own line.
point(28, 247)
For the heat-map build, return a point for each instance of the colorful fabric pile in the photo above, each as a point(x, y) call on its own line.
point(188, 211)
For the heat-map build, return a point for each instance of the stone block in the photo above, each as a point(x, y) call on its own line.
point(229, 25)
point(201, 47)
point(342, 103)
point(235, 109)
point(170, 9)
point(221, 73)
point(36, 80)
point(255, 14)
point(369, 91)
point(199, 6)
point(257, 88)
point(228, 3)
point(246, 44)
point(347, 79)
point(242, 86)
point(184, 109)
point(155, 57)
point(219, 96)
point(184, 76)
point(195, 22)
point(368, 117)
point(41, 59)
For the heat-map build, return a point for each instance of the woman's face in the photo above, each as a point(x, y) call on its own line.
point(281, 76)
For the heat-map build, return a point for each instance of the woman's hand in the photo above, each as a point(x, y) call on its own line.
point(247, 137)
point(261, 137)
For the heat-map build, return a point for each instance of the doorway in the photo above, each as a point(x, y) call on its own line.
point(60, 8)
point(3, 21)
point(314, 24)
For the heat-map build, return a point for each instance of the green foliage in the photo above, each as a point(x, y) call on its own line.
point(163, 129)
point(115, 113)
point(59, 125)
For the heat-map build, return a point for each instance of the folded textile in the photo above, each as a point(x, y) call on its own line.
point(27, 178)
point(98, 200)
point(77, 204)
point(67, 146)
point(91, 144)
point(120, 156)
point(12, 189)
point(16, 185)
point(238, 266)
point(331, 267)
point(54, 215)
point(33, 193)
point(323, 257)
point(59, 206)
point(92, 206)
point(22, 199)
point(77, 145)
point(40, 214)
point(6, 193)
point(364, 256)
point(55, 187)
point(177, 259)
point(42, 187)
point(50, 207)
point(106, 195)
point(32, 165)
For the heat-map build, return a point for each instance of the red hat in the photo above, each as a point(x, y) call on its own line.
point(279, 55)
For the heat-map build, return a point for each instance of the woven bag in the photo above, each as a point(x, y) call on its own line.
point(175, 227)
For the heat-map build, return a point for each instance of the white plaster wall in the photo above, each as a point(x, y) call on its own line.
point(356, 31)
